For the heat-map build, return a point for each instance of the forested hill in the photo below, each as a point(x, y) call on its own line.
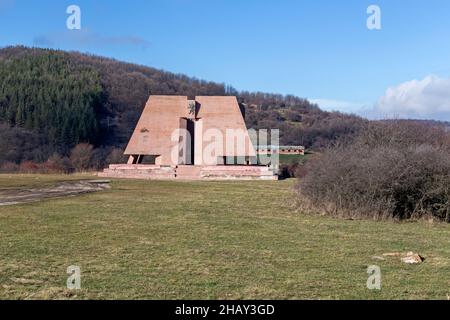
point(52, 100)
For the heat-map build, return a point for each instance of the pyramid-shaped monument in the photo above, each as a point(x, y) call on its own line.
point(200, 138)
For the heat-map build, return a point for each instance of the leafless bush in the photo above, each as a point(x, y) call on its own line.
point(57, 164)
point(393, 169)
point(28, 167)
point(116, 156)
point(288, 170)
point(81, 156)
point(9, 167)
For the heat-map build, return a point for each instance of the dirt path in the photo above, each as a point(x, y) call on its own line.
point(63, 189)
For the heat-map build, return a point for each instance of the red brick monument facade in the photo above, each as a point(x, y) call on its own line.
point(202, 138)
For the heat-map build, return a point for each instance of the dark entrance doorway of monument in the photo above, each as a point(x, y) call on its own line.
point(143, 159)
point(191, 131)
point(187, 139)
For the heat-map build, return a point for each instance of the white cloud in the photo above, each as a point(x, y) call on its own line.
point(427, 98)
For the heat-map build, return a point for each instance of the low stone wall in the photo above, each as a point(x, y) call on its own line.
point(156, 172)
point(237, 173)
point(133, 171)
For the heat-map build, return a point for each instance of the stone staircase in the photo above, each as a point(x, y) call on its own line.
point(182, 172)
point(237, 173)
point(134, 171)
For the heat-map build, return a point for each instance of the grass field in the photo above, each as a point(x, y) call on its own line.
point(292, 158)
point(207, 240)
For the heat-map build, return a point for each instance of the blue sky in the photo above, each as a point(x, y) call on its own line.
point(318, 49)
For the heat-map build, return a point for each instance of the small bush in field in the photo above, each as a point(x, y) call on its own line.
point(392, 170)
point(116, 156)
point(29, 167)
point(81, 156)
point(9, 167)
point(57, 164)
point(288, 170)
point(294, 167)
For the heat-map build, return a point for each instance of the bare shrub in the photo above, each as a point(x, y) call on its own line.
point(9, 167)
point(393, 169)
point(81, 156)
point(116, 156)
point(29, 167)
point(288, 170)
point(57, 164)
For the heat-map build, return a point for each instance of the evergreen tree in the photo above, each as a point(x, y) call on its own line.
point(51, 95)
